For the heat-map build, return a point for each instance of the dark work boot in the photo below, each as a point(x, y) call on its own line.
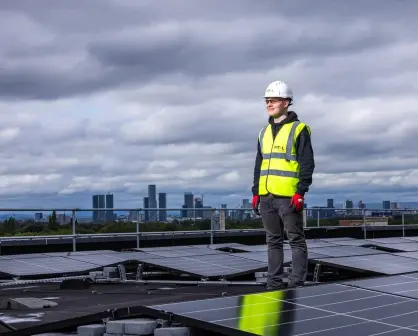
point(275, 285)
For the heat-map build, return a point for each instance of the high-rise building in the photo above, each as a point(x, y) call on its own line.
point(162, 204)
point(101, 202)
point(152, 201)
point(198, 204)
point(188, 202)
point(95, 206)
point(330, 203)
point(109, 205)
point(146, 212)
point(246, 203)
point(386, 205)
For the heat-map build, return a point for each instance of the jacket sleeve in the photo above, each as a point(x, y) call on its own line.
point(257, 168)
point(305, 158)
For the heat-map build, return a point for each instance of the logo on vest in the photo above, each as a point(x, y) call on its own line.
point(278, 148)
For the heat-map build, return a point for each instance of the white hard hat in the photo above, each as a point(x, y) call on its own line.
point(279, 89)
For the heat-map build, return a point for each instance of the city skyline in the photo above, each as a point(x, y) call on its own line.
point(90, 105)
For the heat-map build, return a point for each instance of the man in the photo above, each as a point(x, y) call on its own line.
point(282, 175)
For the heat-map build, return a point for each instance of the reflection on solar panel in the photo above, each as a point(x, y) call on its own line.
point(45, 265)
point(405, 285)
point(217, 265)
point(324, 310)
point(378, 263)
point(344, 251)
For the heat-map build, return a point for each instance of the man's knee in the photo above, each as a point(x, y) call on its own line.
point(274, 240)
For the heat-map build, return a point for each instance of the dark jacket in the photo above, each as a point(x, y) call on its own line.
point(304, 156)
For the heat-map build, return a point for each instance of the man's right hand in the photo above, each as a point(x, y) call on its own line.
point(255, 204)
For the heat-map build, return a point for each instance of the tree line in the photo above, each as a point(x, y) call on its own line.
point(12, 227)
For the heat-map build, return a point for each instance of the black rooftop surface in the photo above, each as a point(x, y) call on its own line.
point(73, 303)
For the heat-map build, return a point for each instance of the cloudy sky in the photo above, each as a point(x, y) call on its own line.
point(111, 95)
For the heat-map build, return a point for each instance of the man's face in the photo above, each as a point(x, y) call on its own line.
point(276, 106)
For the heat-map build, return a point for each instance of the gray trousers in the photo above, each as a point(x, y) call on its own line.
point(277, 215)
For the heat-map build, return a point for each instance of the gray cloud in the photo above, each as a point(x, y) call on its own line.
point(116, 94)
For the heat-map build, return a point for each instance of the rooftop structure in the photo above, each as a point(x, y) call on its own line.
point(353, 287)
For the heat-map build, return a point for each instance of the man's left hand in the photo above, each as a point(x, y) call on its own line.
point(297, 202)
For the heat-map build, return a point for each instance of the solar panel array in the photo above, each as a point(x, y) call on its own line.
point(323, 310)
point(226, 260)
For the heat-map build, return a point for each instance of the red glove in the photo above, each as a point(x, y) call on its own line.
point(256, 202)
point(297, 202)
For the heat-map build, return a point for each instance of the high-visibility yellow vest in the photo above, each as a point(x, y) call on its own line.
point(260, 313)
point(279, 169)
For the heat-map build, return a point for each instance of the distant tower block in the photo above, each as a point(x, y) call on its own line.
point(222, 219)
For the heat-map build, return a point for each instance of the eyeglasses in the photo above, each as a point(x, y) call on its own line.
point(268, 101)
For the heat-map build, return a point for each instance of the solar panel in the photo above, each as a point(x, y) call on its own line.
point(169, 248)
point(314, 243)
point(379, 263)
point(184, 253)
point(344, 251)
point(44, 266)
point(113, 258)
point(404, 285)
point(254, 248)
point(337, 239)
point(324, 310)
point(217, 265)
point(390, 240)
point(413, 255)
point(398, 247)
point(354, 242)
point(23, 256)
point(262, 256)
point(79, 253)
point(410, 238)
point(226, 246)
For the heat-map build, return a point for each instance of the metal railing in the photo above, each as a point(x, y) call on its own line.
point(364, 218)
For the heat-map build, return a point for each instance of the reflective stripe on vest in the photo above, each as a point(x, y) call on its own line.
point(260, 313)
point(279, 173)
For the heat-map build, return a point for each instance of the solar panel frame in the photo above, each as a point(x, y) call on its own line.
point(318, 310)
point(384, 263)
point(209, 266)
